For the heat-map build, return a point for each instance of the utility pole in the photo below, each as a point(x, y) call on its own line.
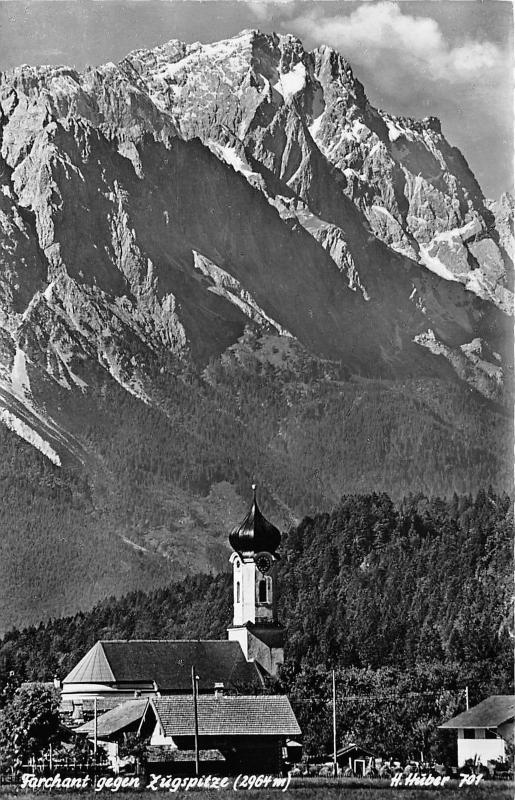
point(95, 728)
point(467, 698)
point(194, 679)
point(335, 763)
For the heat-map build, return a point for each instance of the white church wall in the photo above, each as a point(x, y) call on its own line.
point(240, 635)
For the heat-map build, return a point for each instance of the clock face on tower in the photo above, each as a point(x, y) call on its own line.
point(264, 562)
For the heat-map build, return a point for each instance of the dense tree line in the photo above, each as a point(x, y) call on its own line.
point(375, 583)
point(409, 602)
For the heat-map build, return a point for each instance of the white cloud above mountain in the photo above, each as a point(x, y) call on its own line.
point(383, 30)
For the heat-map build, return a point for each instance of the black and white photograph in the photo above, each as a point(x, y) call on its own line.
point(256, 399)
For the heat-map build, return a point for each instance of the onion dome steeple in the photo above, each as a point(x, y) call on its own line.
point(255, 534)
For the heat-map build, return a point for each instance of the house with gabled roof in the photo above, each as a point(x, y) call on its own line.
point(484, 731)
point(250, 732)
point(237, 733)
point(113, 724)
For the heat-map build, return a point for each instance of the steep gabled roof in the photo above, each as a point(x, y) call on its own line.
point(168, 663)
point(489, 713)
point(265, 715)
point(117, 719)
point(349, 748)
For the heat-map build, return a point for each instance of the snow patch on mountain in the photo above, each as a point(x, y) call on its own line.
point(26, 432)
point(231, 157)
point(395, 130)
point(462, 234)
point(19, 377)
point(292, 82)
point(315, 126)
point(435, 265)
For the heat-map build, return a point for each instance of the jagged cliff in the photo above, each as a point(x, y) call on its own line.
point(132, 229)
point(165, 206)
point(416, 191)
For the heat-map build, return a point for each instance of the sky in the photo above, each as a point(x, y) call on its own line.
point(449, 58)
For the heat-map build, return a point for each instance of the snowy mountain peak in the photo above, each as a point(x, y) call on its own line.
point(163, 204)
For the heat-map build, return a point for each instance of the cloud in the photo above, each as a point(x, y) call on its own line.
point(262, 9)
point(382, 31)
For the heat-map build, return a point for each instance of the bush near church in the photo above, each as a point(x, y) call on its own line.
point(29, 723)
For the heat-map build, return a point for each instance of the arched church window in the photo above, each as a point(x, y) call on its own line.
point(265, 590)
point(237, 591)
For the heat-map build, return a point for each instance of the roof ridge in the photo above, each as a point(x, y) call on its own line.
point(168, 641)
point(101, 645)
point(172, 697)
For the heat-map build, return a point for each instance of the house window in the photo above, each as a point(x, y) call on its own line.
point(469, 733)
point(489, 734)
point(237, 591)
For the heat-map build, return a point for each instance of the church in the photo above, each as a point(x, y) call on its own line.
point(114, 671)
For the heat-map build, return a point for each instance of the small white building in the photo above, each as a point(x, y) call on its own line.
point(484, 730)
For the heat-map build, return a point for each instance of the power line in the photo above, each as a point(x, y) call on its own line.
point(370, 697)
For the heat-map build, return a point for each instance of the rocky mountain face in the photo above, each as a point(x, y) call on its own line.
point(415, 190)
point(163, 207)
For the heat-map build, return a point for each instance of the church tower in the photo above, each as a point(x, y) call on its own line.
point(254, 562)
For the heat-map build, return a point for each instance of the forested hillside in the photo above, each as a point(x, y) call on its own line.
point(409, 602)
point(161, 486)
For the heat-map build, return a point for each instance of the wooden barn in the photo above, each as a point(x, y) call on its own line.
point(111, 727)
point(355, 758)
point(250, 732)
point(235, 734)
